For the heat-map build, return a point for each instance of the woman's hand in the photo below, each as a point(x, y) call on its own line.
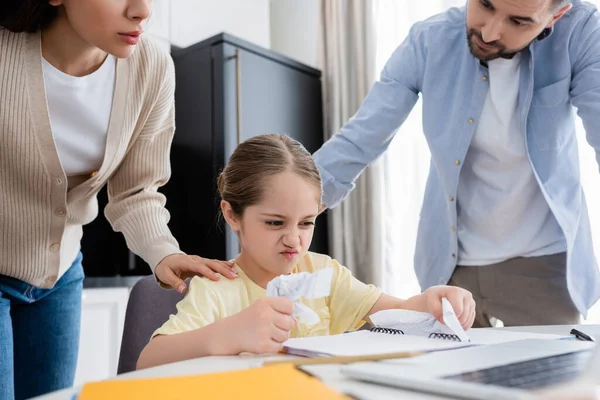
point(461, 300)
point(173, 270)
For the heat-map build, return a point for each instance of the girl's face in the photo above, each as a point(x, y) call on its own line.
point(113, 26)
point(276, 233)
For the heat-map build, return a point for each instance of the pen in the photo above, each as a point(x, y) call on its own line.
point(581, 336)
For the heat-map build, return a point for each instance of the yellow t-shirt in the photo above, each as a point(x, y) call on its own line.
point(208, 301)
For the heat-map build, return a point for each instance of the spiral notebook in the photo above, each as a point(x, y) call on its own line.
point(398, 331)
point(394, 331)
point(363, 343)
point(414, 323)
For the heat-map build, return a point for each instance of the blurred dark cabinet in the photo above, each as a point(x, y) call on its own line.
point(227, 90)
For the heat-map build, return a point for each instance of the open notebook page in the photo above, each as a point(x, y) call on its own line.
point(365, 343)
point(372, 343)
point(423, 324)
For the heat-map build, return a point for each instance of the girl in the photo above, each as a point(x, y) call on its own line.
point(84, 100)
point(271, 195)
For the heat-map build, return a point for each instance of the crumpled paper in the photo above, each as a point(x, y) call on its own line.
point(421, 324)
point(410, 322)
point(304, 284)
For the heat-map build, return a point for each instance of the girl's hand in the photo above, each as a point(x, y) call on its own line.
point(173, 270)
point(461, 300)
point(263, 327)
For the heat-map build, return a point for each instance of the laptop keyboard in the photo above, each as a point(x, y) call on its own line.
point(531, 374)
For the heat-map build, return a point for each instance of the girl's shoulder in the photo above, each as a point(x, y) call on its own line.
point(312, 262)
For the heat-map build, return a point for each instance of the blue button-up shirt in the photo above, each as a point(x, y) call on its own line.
point(557, 73)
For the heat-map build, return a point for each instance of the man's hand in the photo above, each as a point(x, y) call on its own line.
point(173, 270)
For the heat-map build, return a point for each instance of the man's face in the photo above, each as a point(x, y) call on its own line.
point(501, 28)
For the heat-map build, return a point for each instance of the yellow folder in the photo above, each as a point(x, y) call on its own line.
point(266, 383)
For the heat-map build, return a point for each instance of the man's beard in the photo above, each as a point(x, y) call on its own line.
point(501, 51)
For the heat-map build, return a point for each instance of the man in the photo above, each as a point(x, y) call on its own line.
point(504, 214)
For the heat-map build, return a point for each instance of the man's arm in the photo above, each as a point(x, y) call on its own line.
point(585, 82)
point(369, 132)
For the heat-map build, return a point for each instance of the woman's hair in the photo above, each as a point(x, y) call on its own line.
point(26, 15)
point(241, 183)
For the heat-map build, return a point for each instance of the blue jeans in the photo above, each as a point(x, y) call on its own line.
point(39, 334)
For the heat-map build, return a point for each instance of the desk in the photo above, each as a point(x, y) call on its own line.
point(328, 373)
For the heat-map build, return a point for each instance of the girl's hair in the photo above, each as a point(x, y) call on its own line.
point(26, 15)
point(241, 183)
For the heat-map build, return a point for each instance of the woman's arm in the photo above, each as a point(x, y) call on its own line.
point(136, 207)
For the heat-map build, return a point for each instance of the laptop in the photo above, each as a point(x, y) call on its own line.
point(504, 371)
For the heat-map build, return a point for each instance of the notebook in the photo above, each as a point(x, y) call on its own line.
point(398, 331)
point(406, 322)
point(275, 382)
point(365, 343)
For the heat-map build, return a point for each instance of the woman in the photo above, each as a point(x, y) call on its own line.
point(85, 101)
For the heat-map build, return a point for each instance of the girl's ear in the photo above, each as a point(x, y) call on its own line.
point(230, 217)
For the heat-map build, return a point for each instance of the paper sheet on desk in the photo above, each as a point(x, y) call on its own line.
point(303, 284)
point(365, 343)
point(424, 324)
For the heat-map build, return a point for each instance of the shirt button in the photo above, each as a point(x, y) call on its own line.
point(471, 120)
point(453, 255)
point(61, 212)
point(451, 198)
point(484, 78)
point(453, 229)
point(442, 281)
point(457, 162)
point(59, 181)
point(54, 248)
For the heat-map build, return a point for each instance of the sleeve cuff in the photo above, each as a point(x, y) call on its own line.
point(154, 254)
point(366, 307)
point(333, 192)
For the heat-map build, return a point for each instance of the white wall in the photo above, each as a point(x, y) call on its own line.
point(195, 20)
point(185, 22)
point(159, 24)
point(295, 28)
point(290, 27)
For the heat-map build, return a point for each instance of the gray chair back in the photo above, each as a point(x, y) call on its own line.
point(149, 306)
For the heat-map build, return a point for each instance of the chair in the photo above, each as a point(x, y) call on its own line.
point(149, 306)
